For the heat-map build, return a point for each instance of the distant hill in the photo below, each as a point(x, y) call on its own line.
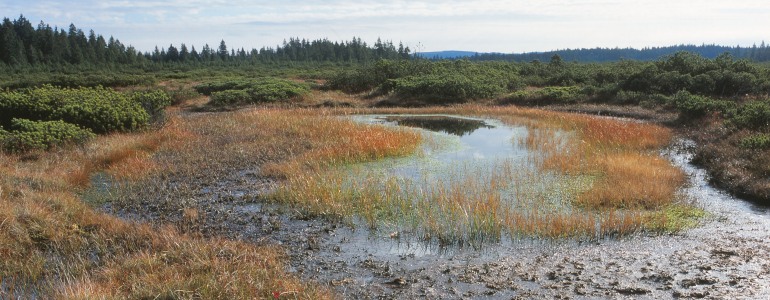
point(755, 53)
point(446, 54)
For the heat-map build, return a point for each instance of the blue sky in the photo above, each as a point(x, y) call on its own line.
point(511, 26)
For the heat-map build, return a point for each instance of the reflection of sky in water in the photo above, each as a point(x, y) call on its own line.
point(488, 143)
point(477, 150)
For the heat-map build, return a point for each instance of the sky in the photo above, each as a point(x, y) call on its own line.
point(511, 26)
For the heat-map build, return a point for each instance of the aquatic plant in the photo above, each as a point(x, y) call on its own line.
point(591, 178)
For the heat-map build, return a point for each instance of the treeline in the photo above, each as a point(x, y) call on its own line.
point(321, 50)
point(756, 53)
point(23, 44)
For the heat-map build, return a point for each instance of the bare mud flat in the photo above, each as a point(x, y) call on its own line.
point(727, 256)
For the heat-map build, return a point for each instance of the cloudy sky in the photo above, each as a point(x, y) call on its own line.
point(511, 26)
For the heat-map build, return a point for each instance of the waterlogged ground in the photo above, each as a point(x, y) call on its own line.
point(727, 256)
point(463, 160)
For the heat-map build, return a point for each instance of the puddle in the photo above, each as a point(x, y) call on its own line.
point(468, 171)
point(455, 146)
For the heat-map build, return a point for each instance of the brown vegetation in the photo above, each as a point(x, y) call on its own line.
point(54, 245)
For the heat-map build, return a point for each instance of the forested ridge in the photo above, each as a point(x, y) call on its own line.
point(24, 44)
point(21, 43)
point(756, 53)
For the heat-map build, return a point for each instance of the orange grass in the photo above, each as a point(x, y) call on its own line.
point(630, 184)
point(622, 154)
point(331, 141)
point(52, 245)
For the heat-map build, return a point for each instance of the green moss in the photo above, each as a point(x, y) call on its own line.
point(676, 217)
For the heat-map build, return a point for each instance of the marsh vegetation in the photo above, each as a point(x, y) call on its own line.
point(108, 169)
point(551, 176)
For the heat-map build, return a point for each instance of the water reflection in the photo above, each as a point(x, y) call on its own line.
point(446, 124)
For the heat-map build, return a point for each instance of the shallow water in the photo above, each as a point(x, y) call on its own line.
point(463, 159)
point(726, 257)
point(460, 139)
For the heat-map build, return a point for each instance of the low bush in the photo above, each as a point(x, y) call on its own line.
point(153, 101)
point(29, 135)
point(759, 141)
point(549, 94)
point(229, 97)
point(448, 87)
point(258, 91)
point(752, 115)
point(99, 109)
point(369, 77)
point(562, 94)
point(273, 89)
point(223, 85)
point(694, 106)
point(76, 80)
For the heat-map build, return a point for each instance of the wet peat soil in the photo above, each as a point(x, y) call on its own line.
point(727, 256)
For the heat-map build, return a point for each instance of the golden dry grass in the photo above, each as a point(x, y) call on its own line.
point(630, 182)
point(52, 245)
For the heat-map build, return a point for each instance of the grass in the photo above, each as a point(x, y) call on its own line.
point(606, 179)
point(53, 245)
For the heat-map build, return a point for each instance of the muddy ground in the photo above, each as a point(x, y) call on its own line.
point(727, 256)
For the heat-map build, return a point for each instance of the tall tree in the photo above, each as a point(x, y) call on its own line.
point(172, 54)
point(184, 54)
point(12, 51)
point(222, 50)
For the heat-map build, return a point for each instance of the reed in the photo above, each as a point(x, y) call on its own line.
point(604, 178)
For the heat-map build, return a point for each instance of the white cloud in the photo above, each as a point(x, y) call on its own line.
point(484, 25)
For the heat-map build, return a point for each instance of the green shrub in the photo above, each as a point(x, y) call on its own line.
point(41, 135)
point(273, 89)
point(229, 97)
point(754, 114)
point(20, 105)
point(369, 77)
point(630, 97)
point(448, 87)
point(223, 85)
point(758, 141)
point(561, 94)
point(76, 80)
point(260, 91)
point(182, 94)
point(551, 94)
point(671, 82)
point(99, 109)
point(694, 106)
point(153, 101)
